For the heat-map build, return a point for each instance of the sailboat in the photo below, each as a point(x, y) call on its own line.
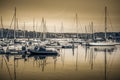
point(106, 42)
point(14, 48)
point(11, 47)
point(53, 43)
point(41, 49)
point(2, 40)
point(76, 40)
point(70, 43)
point(64, 42)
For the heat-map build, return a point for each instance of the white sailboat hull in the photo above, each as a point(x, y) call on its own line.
point(101, 44)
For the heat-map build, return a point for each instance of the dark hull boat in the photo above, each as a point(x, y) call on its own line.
point(2, 51)
point(43, 51)
point(69, 46)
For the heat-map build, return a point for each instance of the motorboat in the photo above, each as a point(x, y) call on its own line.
point(40, 50)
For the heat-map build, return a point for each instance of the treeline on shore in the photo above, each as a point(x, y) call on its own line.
point(9, 33)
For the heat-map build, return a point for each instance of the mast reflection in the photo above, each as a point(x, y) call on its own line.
point(93, 51)
point(42, 60)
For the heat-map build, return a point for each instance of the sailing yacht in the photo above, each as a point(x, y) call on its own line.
point(106, 42)
point(14, 46)
point(41, 49)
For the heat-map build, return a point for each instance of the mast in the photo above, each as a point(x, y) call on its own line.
point(54, 31)
point(24, 29)
point(76, 22)
point(62, 29)
point(14, 40)
point(34, 28)
point(17, 27)
point(105, 22)
point(15, 24)
point(42, 24)
point(92, 30)
point(2, 27)
point(44, 29)
point(86, 37)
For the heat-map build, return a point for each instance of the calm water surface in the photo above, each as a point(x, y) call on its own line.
point(82, 63)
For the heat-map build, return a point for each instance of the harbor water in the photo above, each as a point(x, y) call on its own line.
point(82, 63)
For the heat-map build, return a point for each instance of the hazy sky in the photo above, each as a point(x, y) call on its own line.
point(57, 11)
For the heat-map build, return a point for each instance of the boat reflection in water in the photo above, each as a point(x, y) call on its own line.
point(105, 49)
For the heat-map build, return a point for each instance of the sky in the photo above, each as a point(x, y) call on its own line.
point(56, 12)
